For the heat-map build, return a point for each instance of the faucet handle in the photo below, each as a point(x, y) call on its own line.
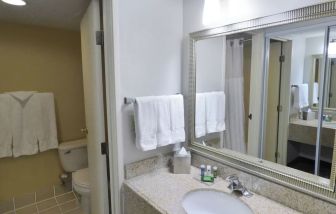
point(232, 178)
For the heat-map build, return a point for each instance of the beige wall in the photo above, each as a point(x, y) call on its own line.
point(45, 60)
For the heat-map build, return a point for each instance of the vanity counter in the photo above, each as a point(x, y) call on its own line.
point(164, 192)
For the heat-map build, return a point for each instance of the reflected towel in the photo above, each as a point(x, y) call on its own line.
point(301, 96)
point(315, 93)
point(215, 111)
point(200, 116)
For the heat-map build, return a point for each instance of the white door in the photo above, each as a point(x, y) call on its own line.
point(94, 108)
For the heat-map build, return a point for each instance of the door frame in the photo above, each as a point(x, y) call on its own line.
point(109, 17)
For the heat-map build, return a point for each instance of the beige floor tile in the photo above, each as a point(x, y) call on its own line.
point(24, 200)
point(46, 204)
point(27, 210)
point(65, 198)
point(44, 193)
point(55, 210)
point(6, 206)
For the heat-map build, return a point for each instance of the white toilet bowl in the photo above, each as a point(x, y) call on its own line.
point(81, 185)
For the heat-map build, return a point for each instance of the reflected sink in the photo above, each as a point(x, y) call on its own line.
point(207, 201)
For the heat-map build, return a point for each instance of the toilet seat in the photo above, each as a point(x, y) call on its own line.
point(80, 181)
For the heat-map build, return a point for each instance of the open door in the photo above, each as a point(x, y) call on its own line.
point(94, 108)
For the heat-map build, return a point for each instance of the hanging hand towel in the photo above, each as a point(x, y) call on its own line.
point(301, 96)
point(145, 113)
point(47, 132)
point(5, 126)
point(177, 118)
point(200, 116)
point(215, 111)
point(26, 117)
point(164, 133)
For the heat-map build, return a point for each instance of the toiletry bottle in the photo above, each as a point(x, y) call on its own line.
point(215, 171)
point(208, 170)
point(202, 171)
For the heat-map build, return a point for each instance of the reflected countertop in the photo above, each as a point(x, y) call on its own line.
point(313, 123)
point(165, 191)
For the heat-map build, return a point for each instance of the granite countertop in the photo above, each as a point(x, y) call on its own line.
point(165, 191)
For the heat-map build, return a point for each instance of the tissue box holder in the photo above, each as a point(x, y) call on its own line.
point(181, 164)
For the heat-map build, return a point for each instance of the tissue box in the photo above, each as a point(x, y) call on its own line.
point(181, 164)
point(308, 115)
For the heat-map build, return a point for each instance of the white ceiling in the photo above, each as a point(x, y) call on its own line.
point(50, 13)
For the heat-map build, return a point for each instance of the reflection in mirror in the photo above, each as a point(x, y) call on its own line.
point(328, 127)
point(294, 69)
point(223, 68)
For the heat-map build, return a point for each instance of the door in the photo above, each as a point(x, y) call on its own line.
point(273, 105)
point(94, 108)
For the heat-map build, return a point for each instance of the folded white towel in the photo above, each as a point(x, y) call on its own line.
point(47, 132)
point(164, 132)
point(26, 117)
point(215, 111)
point(145, 113)
point(200, 116)
point(177, 118)
point(5, 126)
point(301, 96)
point(315, 93)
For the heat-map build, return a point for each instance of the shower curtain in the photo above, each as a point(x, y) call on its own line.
point(234, 136)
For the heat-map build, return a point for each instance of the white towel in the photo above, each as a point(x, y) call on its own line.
point(215, 111)
point(200, 116)
point(301, 96)
point(177, 118)
point(315, 93)
point(164, 132)
point(5, 126)
point(145, 113)
point(47, 132)
point(26, 117)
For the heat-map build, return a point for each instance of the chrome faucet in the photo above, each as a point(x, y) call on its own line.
point(236, 185)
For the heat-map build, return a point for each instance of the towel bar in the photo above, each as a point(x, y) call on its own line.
point(128, 100)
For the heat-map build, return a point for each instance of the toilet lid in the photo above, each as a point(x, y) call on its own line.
point(81, 178)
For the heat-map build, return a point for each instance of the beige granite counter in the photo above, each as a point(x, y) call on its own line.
point(164, 192)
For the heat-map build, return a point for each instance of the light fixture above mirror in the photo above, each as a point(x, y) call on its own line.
point(15, 2)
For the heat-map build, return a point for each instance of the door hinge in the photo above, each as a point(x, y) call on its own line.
point(99, 37)
point(104, 148)
point(277, 155)
point(282, 58)
point(279, 108)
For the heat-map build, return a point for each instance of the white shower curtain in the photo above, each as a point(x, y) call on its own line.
point(234, 91)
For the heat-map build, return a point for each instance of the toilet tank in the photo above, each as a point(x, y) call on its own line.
point(73, 155)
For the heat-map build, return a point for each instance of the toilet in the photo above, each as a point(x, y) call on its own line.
point(74, 159)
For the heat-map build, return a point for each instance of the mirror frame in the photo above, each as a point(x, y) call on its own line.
point(303, 182)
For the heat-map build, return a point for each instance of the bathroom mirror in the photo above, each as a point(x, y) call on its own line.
point(259, 97)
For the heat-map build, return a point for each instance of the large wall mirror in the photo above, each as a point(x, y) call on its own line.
point(264, 98)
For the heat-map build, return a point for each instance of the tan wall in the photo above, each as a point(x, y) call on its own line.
point(44, 60)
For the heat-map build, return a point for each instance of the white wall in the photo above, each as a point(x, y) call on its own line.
point(209, 65)
point(297, 60)
point(150, 34)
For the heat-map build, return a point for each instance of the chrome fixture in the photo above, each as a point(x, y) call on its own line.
point(236, 185)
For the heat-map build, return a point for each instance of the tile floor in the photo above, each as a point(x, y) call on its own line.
point(54, 200)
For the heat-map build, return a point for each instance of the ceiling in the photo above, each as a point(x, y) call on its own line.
point(65, 14)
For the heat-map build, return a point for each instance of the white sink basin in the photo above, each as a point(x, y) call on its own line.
point(206, 201)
